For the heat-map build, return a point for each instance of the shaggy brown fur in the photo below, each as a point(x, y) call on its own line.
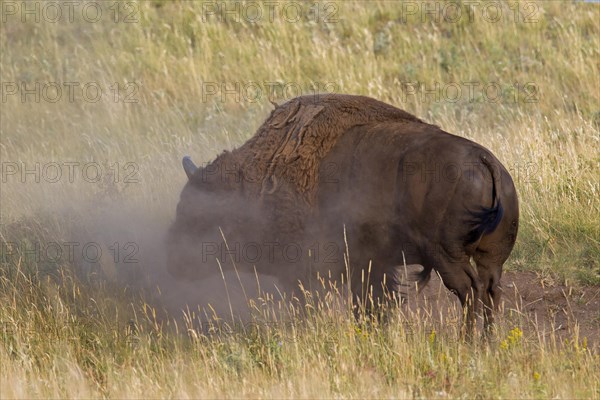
point(404, 191)
point(286, 152)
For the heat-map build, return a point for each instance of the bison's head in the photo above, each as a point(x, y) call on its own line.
point(211, 222)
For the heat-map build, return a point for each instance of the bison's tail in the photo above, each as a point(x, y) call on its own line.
point(487, 219)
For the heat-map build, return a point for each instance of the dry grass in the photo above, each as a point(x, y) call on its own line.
point(71, 337)
point(78, 342)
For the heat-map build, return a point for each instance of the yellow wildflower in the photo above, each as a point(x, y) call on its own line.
point(432, 337)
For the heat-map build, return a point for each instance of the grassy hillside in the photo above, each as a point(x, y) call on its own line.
point(97, 114)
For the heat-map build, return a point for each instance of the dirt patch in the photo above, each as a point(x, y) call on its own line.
point(538, 305)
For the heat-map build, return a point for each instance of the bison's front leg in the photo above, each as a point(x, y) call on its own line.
point(375, 290)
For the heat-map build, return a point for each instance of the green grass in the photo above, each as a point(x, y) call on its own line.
point(66, 334)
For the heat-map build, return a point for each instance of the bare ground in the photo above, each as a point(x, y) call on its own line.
point(536, 304)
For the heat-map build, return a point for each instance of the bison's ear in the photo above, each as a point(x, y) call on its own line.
point(188, 166)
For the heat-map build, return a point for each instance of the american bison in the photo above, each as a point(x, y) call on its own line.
point(351, 184)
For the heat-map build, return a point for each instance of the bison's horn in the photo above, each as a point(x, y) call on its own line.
point(188, 166)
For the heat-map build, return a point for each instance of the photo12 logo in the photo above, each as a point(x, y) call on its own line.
point(69, 11)
point(469, 11)
point(69, 92)
point(209, 172)
point(270, 252)
point(521, 172)
point(254, 91)
point(69, 172)
point(269, 11)
point(471, 92)
point(287, 332)
point(56, 252)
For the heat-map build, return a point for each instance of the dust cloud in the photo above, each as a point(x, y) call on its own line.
point(133, 244)
point(119, 241)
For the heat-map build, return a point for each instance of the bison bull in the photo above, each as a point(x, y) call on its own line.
point(334, 172)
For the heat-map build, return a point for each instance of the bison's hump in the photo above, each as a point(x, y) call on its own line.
point(284, 155)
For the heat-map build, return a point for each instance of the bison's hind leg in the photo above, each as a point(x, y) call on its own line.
point(489, 267)
point(462, 279)
point(491, 254)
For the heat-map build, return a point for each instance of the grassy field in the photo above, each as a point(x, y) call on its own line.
point(98, 110)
